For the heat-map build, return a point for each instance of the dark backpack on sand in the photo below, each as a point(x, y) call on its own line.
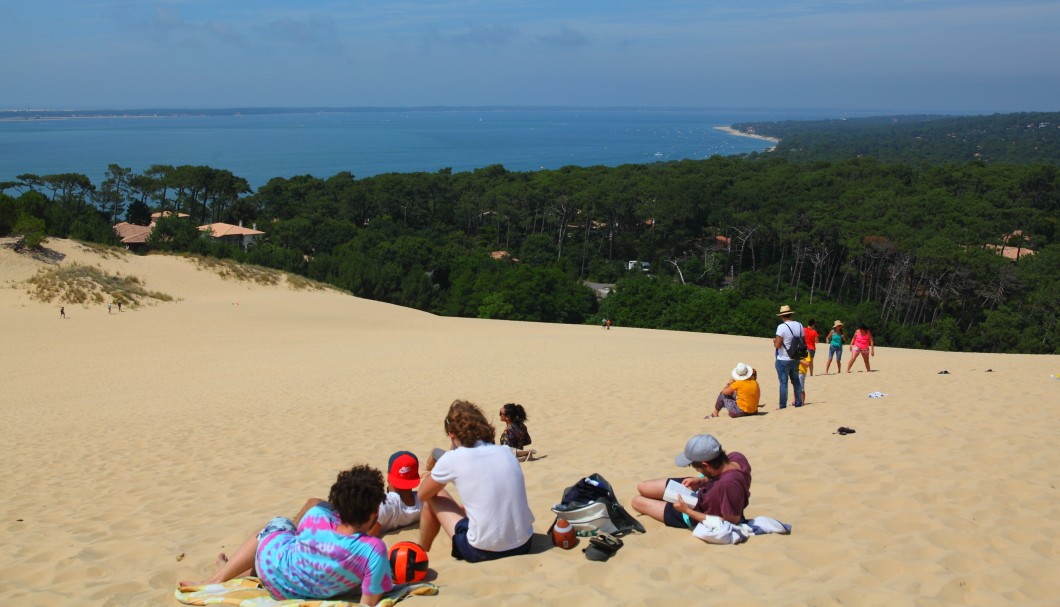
point(590, 506)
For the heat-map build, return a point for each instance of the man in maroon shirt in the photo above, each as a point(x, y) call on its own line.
point(723, 489)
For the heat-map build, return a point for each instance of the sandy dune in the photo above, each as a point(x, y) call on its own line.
point(138, 445)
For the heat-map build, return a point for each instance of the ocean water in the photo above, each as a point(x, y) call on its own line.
point(259, 147)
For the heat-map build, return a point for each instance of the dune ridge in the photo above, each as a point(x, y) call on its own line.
point(138, 445)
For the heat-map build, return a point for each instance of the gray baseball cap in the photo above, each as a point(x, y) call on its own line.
point(699, 448)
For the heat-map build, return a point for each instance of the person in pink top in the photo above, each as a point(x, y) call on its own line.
point(861, 345)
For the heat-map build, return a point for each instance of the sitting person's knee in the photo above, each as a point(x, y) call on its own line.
point(639, 503)
point(644, 488)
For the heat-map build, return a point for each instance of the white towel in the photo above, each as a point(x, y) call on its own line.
point(716, 530)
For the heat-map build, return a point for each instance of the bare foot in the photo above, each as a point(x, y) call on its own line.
point(220, 562)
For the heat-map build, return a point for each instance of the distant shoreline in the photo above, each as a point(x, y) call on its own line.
point(732, 131)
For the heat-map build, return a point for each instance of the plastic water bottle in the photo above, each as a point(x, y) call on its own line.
point(563, 534)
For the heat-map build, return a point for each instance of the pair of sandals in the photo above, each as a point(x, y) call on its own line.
point(602, 546)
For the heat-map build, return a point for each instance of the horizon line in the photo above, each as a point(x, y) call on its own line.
point(492, 107)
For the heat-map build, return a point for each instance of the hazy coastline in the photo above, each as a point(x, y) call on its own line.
point(737, 133)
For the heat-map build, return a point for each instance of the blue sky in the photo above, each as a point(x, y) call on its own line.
point(902, 55)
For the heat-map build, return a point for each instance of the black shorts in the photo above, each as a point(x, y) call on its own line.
point(673, 518)
point(463, 550)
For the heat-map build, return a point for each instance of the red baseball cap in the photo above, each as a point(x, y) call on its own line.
point(404, 471)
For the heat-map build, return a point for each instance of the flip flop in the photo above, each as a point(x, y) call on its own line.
point(602, 547)
point(843, 430)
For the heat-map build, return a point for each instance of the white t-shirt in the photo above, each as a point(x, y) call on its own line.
point(782, 330)
point(493, 491)
point(393, 513)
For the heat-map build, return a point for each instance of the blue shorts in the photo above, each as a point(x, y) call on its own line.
point(275, 525)
point(813, 353)
point(464, 551)
point(836, 351)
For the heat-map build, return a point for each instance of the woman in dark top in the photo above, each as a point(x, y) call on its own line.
point(515, 434)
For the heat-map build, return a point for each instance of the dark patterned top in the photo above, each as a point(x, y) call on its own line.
point(515, 436)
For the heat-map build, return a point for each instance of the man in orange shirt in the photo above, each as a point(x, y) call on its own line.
point(811, 340)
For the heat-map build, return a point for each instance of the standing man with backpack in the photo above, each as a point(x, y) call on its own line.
point(790, 344)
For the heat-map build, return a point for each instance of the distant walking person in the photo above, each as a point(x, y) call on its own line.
point(811, 340)
point(108, 308)
point(787, 368)
point(119, 306)
point(835, 340)
point(62, 312)
point(861, 345)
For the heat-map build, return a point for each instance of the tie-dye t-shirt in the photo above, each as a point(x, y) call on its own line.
point(317, 562)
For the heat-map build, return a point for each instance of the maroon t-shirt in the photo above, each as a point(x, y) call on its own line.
point(728, 494)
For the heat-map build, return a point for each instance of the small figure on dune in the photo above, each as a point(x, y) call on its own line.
point(861, 345)
point(811, 342)
point(806, 364)
point(741, 394)
point(515, 434)
point(835, 340)
point(62, 312)
point(788, 367)
point(119, 306)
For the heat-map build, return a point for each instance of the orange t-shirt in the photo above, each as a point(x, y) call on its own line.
point(811, 338)
point(747, 394)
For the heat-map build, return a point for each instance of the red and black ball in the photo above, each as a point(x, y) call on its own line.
point(408, 562)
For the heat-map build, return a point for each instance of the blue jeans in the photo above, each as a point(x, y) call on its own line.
point(789, 370)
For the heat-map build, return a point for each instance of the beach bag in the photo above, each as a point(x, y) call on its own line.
point(797, 350)
point(588, 519)
point(590, 505)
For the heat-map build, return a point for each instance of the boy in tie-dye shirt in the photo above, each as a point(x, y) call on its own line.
point(329, 553)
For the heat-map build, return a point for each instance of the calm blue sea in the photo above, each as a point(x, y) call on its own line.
point(369, 142)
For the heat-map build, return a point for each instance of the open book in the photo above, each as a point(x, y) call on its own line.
point(676, 491)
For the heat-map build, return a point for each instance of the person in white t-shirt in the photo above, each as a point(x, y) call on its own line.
point(401, 507)
point(787, 369)
point(495, 520)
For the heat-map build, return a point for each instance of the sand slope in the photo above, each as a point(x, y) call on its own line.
point(178, 428)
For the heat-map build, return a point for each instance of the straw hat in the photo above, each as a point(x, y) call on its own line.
point(837, 323)
point(786, 311)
